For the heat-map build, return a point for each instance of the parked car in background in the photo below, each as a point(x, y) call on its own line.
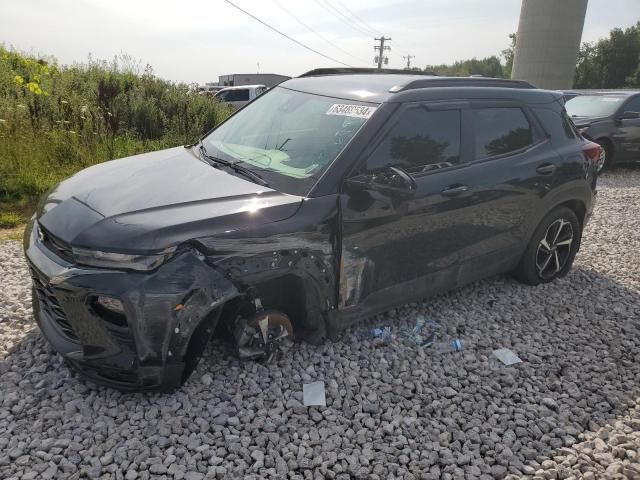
point(330, 198)
point(611, 119)
point(239, 96)
point(569, 94)
point(209, 90)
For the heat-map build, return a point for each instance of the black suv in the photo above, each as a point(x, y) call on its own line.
point(327, 199)
point(610, 118)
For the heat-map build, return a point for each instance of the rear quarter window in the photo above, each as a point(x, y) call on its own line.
point(556, 124)
point(500, 130)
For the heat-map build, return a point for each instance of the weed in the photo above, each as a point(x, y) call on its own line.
point(56, 120)
point(10, 219)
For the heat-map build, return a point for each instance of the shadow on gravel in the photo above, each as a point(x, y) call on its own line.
point(578, 339)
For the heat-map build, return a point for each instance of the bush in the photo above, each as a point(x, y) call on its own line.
point(56, 120)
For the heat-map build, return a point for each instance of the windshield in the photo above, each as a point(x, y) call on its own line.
point(290, 138)
point(593, 105)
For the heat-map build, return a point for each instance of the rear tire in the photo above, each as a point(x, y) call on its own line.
point(552, 248)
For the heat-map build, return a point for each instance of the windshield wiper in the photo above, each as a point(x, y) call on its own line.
point(248, 173)
point(256, 178)
point(211, 158)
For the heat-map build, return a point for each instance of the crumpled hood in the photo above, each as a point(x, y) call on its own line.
point(151, 201)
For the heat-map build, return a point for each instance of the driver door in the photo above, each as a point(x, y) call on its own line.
point(402, 228)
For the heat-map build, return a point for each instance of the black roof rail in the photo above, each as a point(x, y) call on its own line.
point(431, 79)
point(316, 72)
point(462, 82)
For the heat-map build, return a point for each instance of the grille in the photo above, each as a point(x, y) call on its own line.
point(57, 246)
point(49, 303)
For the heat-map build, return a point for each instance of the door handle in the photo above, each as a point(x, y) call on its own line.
point(546, 169)
point(453, 190)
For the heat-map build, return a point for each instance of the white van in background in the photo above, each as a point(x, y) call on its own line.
point(239, 96)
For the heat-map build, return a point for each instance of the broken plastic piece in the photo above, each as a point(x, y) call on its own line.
point(421, 336)
point(506, 356)
point(313, 394)
point(381, 336)
point(454, 345)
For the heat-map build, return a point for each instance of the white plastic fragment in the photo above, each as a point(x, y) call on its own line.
point(506, 356)
point(313, 394)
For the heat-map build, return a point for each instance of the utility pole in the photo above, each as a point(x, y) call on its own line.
point(381, 58)
point(408, 58)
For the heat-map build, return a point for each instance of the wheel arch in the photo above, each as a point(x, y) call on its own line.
point(578, 207)
point(300, 298)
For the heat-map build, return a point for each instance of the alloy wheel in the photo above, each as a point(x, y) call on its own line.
point(554, 249)
point(602, 159)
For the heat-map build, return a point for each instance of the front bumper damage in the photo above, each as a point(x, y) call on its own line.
point(169, 316)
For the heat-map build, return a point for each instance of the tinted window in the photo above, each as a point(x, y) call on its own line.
point(556, 123)
point(500, 130)
point(633, 105)
point(421, 140)
point(567, 124)
point(234, 95)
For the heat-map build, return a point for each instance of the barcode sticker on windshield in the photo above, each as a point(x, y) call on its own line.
point(345, 110)
point(611, 99)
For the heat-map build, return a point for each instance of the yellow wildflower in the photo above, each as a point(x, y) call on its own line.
point(18, 79)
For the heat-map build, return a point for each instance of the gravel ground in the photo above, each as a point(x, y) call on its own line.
point(569, 410)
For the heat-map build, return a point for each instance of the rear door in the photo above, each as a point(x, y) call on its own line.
point(513, 166)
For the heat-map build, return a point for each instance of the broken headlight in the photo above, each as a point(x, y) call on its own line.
point(97, 258)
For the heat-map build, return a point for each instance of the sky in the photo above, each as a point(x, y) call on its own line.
point(197, 40)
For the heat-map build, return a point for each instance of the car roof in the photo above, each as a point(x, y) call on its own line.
point(369, 85)
point(603, 92)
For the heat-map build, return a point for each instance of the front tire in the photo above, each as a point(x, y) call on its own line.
point(552, 248)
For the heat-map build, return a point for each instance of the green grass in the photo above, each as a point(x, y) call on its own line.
point(55, 121)
point(10, 219)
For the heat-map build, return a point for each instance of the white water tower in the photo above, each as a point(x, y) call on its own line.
point(548, 41)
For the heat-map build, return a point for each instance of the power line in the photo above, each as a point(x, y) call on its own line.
point(285, 35)
point(340, 16)
point(316, 33)
point(356, 17)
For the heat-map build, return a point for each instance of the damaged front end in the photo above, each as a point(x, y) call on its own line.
point(146, 330)
point(129, 330)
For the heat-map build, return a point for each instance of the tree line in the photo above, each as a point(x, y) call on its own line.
point(610, 62)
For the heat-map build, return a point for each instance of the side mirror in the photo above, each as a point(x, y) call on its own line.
point(392, 179)
point(401, 179)
point(628, 115)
